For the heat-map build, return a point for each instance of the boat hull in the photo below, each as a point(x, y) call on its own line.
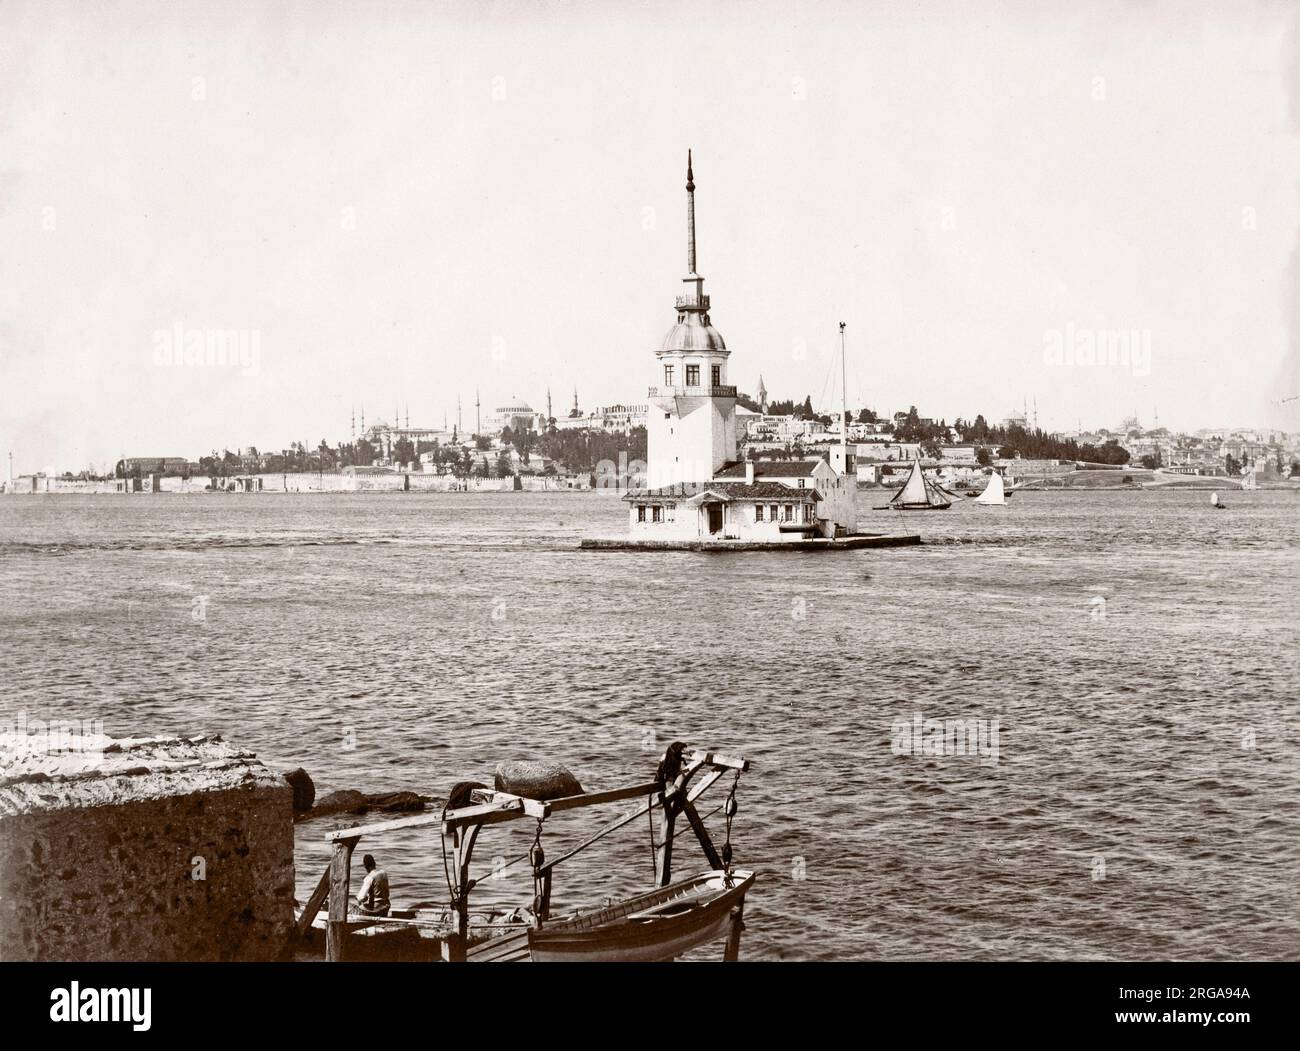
point(649, 928)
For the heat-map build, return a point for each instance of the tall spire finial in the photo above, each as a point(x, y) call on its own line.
point(690, 215)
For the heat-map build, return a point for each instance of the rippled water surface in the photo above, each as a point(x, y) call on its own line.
point(1144, 803)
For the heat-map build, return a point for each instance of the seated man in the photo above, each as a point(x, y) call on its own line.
point(373, 895)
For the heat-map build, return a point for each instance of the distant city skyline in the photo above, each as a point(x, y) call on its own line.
point(992, 203)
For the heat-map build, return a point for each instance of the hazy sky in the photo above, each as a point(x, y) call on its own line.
point(406, 202)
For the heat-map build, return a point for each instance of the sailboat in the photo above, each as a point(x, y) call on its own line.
point(919, 493)
point(1214, 502)
point(994, 494)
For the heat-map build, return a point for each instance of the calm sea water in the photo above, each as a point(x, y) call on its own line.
point(1144, 803)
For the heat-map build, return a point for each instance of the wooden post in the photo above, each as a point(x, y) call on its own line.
point(732, 952)
point(340, 894)
point(664, 852)
point(702, 834)
point(463, 839)
point(315, 902)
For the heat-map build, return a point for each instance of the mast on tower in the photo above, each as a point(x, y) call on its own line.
point(694, 301)
point(844, 402)
point(690, 215)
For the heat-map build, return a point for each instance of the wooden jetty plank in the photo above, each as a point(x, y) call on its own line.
point(483, 813)
point(612, 795)
point(318, 898)
point(718, 759)
point(429, 817)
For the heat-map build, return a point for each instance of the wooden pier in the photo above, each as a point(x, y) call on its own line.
point(656, 924)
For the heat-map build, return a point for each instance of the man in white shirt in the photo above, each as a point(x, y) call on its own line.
point(373, 895)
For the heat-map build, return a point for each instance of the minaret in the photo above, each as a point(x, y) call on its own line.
point(691, 428)
point(408, 415)
point(354, 423)
point(460, 426)
point(576, 411)
point(548, 405)
point(363, 419)
point(478, 415)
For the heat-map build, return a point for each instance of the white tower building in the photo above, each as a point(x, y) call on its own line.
point(691, 424)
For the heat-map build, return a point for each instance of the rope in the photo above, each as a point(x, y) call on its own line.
point(730, 806)
point(654, 849)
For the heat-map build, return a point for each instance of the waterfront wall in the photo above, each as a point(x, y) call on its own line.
point(167, 849)
point(313, 482)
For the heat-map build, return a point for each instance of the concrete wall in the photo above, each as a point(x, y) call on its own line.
point(173, 849)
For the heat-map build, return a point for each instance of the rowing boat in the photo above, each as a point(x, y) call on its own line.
point(660, 924)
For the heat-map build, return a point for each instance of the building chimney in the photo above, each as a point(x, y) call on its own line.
point(749, 471)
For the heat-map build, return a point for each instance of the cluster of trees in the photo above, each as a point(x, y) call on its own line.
point(1037, 444)
point(580, 450)
point(801, 410)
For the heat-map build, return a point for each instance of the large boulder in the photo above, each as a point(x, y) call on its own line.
point(304, 790)
point(345, 801)
point(396, 801)
point(536, 779)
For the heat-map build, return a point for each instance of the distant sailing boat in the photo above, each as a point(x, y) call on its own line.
point(919, 493)
point(1214, 502)
point(994, 493)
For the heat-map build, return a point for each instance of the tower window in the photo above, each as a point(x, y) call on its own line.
point(692, 375)
point(717, 375)
point(669, 370)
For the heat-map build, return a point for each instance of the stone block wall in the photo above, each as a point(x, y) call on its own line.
point(168, 849)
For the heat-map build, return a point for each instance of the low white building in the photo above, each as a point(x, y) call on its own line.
point(750, 500)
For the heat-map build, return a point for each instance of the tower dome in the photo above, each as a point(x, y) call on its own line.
point(693, 332)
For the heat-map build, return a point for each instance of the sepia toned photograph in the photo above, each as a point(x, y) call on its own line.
point(798, 484)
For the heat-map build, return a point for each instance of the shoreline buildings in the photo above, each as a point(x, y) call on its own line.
point(697, 488)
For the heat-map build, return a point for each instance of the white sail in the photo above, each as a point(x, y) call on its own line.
point(993, 492)
point(913, 491)
point(1214, 498)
